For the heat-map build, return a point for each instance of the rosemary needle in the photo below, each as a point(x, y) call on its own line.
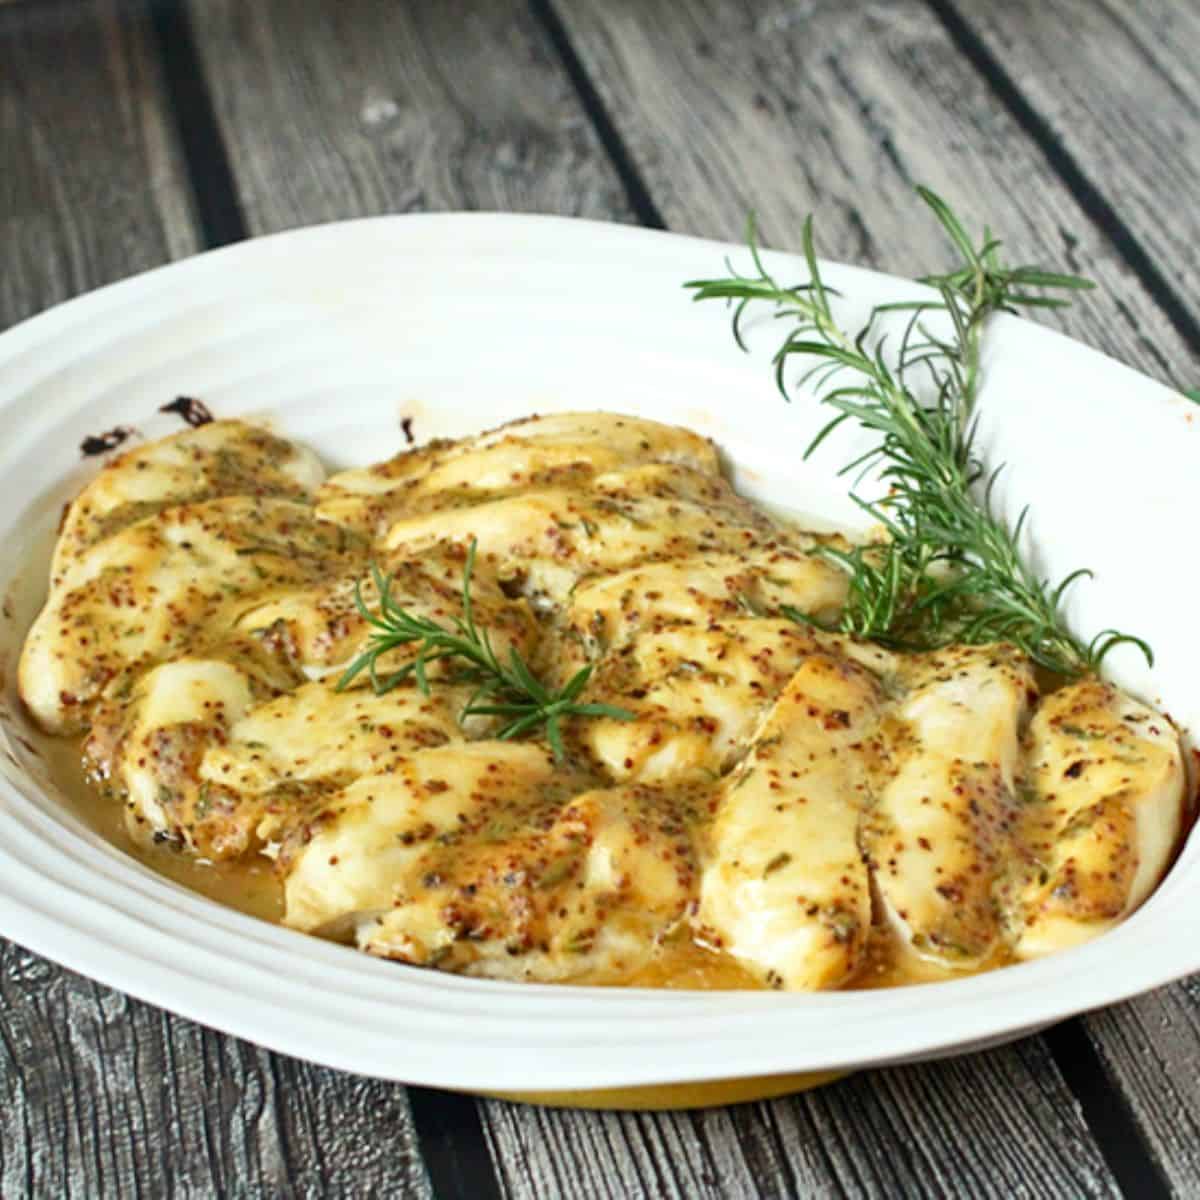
point(950, 569)
point(502, 689)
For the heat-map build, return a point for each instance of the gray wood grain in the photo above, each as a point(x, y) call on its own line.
point(91, 188)
point(105, 1096)
point(997, 1124)
point(365, 107)
point(839, 107)
point(101, 1095)
point(1151, 1048)
point(1119, 86)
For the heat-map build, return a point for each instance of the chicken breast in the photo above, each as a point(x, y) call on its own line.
point(359, 854)
point(784, 888)
point(548, 540)
point(697, 692)
point(221, 458)
point(1105, 803)
point(326, 629)
point(147, 748)
point(318, 733)
point(560, 449)
point(491, 859)
point(219, 756)
point(609, 611)
point(941, 836)
point(152, 590)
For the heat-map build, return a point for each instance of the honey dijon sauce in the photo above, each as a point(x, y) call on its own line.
point(690, 966)
point(683, 965)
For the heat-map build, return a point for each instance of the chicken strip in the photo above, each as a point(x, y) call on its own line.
point(562, 449)
point(942, 833)
point(697, 692)
point(609, 611)
point(1106, 795)
point(546, 541)
point(150, 591)
point(221, 458)
point(492, 859)
point(784, 888)
point(146, 748)
point(326, 629)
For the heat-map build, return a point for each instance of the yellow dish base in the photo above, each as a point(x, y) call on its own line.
point(660, 1096)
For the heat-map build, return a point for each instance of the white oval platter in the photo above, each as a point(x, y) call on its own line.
point(334, 334)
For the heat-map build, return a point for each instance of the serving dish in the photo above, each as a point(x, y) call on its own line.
point(345, 336)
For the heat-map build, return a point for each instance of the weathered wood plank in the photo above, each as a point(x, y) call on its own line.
point(1118, 87)
point(839, 107)
point(91, 187)
point(365, 107)
point(105, 1096)
point(999, 1124)
point(1150, 1048)
point(101, 1095)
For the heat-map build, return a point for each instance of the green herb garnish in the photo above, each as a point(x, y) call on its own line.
point(950, 570)
point(509, 690)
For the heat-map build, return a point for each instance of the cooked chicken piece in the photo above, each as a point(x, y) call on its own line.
point(380, 826)
point(326, 629)
point(321, 623)
point(150, 591)
point(222, 458)
point(316, 734)
point(560, 449)
point(607, 612)
point(698, 692)
point(546, 541)
point(147, 748)
point(784, 888)
point(1106, 794)
point(595, 895)
point(477, 859)
point(217, 754)
point(942, 833)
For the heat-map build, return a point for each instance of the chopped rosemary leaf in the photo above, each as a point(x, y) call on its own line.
point(950, 569)
point(509, 690)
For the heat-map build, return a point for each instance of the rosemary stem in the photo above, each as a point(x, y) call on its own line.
point(951, 569)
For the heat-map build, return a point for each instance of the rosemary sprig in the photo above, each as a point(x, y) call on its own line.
point(509, 690)
point(950, 569)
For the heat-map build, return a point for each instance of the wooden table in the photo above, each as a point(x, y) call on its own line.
point(133, 132)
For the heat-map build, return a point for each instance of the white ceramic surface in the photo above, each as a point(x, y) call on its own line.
point(332, 335)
